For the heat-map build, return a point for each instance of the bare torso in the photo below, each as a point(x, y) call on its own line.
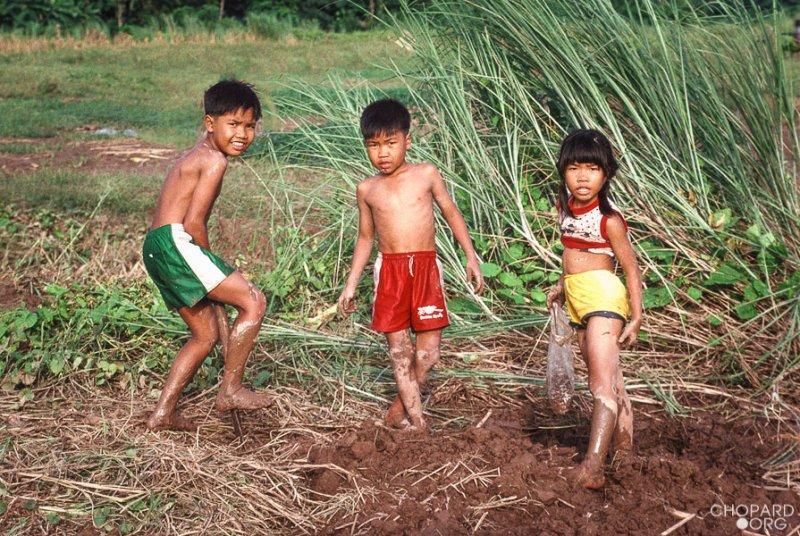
point(402, 210)
point(179, 188)
point(576, 261)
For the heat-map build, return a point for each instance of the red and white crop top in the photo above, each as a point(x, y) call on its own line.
point(586, 230)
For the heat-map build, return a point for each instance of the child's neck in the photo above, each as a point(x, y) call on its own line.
point(580, 204)
point(208, 142)
point(397, 171)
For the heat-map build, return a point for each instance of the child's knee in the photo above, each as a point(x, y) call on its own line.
point(257, 304)
point(206, 341)
point(605, 392)
point(427, 357)
point(400, 353)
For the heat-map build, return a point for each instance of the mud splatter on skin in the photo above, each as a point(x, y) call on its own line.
point(589, 474)
point(401, 355)
point(242, 338)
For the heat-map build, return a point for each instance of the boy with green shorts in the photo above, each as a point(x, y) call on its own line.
point(193, 280)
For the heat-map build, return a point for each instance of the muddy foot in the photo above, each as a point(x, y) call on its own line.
point(586, 476)
point(396, 415)
point(176, 421)
point(243, 399)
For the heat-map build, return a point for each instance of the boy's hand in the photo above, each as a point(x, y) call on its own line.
point(555, 296)
point(347, 302)
point(475, 276)
point(631, 332)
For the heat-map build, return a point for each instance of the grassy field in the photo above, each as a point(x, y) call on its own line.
point(85, 341)
point(156, 88)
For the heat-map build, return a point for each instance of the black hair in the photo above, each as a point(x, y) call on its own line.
point(586, 146)
point(385, 115)
point(230, 95)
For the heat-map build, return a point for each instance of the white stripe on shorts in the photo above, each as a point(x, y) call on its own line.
point(206, 271)
point(377, 278)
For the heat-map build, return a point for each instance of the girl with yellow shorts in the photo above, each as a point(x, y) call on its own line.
point(606, 312)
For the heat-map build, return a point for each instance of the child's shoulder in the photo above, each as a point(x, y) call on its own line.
point(425, 169)
point(201, 159)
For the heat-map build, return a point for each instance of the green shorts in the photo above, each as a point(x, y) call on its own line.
point(183, 271)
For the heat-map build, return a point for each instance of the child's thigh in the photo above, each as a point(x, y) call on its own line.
point(201, 319)
point(600, 342)
point(237, 291)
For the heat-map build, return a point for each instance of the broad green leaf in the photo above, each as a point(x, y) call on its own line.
point(55, 290)
point(655, 297)
point(714, 320)
point(516, 251)
point(25, 320)
point(56, 364)
point(538, 296)
point(720, 219)
point(694, 293)
point(511, 295)
point(460, 305)
point(510, 279)
point(100, 516)
point(490, 269)
point(724, 276)
point(543, 205)
point(746, 311)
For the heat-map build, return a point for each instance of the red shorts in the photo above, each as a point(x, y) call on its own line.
point(408, 292)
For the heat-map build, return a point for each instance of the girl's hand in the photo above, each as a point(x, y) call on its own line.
point(630, 333)
point(347, 302)
point(475, 276)
point(556, 295)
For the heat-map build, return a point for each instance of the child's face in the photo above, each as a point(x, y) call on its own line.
point(584, 181)
point(387, 151)
point(232, 132)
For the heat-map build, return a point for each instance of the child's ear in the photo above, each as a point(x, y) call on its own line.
point(408, 141)
point(208, 123)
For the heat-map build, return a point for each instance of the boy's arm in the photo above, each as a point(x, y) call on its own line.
point(366, 235)
point(456, 222)
point(205, 193)
point(618, 236)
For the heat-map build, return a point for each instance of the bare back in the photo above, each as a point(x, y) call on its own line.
point(191, 187)
point(402, 209)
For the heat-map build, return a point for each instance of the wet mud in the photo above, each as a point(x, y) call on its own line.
point(510, 476)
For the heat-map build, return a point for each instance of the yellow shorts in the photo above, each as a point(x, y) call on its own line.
point(595, 293)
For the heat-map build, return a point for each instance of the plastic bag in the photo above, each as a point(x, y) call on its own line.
point(560, 374)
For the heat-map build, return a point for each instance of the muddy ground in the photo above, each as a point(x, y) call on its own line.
point(507, 476)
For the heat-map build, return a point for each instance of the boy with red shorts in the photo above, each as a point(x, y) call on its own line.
point(397, 204)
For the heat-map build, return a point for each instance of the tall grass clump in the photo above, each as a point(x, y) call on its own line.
point(702, 112)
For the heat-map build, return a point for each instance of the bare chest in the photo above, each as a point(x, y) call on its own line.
point(387, 199)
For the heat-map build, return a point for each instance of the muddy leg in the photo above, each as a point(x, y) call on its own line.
point(235, 290)
point(426, 355)
point(202, 325)
point(602, 353)
point(224, 335)
point(623, 432)
point(401, 353)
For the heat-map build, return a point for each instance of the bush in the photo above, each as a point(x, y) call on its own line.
point(268, 25)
